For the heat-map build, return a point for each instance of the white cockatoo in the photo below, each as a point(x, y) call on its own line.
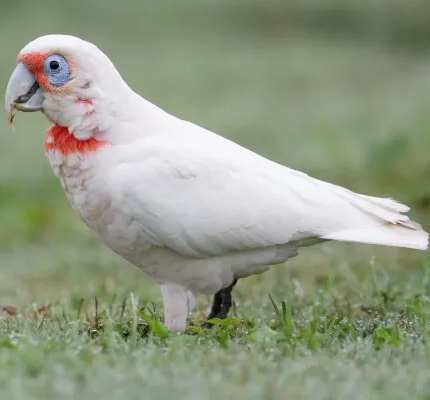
point(192, 209)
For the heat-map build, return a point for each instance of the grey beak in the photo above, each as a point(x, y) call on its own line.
point(23, 92)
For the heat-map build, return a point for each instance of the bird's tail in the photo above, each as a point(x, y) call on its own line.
point(390, 228)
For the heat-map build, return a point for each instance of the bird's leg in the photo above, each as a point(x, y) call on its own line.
point(177, 302)
point(216, 305)
point(221, 305)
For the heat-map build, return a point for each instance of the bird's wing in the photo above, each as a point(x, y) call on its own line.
point(202, 195)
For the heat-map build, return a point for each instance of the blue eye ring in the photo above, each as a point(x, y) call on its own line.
point(57, 70)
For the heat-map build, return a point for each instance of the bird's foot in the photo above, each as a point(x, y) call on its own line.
point(221, 305)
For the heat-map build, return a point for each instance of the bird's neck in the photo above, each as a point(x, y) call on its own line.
point(95, 121)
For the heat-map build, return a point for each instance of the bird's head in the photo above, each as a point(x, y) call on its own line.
point(70, 80)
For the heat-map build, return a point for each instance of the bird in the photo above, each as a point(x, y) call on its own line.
point(192, 209)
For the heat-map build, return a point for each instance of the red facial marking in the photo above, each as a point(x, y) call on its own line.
point(59, 138)
point(34, 63)
point(86, 101)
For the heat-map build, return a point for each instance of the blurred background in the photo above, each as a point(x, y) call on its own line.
point(339, 89)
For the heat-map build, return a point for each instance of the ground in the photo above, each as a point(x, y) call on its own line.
point(339, 321)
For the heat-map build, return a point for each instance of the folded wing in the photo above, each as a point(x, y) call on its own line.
point(204, 196)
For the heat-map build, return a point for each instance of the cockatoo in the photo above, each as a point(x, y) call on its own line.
point(193, 210)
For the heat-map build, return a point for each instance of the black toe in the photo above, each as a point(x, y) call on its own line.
point(221, 305)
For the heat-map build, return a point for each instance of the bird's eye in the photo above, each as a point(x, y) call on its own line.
point(54, 64)
point(57, 70)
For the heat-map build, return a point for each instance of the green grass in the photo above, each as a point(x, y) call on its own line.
point(340, 92)
point(331, 342)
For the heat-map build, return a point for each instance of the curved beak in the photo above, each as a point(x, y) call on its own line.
point(23, 93)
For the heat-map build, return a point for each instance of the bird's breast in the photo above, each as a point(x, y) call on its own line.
point(75, 163)
point(85, 188)
point(78, 177)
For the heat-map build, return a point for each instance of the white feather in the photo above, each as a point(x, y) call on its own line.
point(203, 196)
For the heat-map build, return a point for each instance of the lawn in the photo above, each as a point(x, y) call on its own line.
point(342, 95)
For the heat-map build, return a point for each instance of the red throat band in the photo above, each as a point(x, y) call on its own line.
point(59, 138)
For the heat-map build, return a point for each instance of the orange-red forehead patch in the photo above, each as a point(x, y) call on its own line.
point(33, 61)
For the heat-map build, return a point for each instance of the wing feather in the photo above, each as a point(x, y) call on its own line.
point(203, 196)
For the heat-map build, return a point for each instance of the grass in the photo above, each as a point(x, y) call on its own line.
point(339, 321)
point(332, 342)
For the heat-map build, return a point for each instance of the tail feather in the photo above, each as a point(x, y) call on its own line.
point(388, 204)
point(386, 235)
point(389, 227)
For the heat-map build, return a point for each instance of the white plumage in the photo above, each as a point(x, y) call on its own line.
point(191, 208)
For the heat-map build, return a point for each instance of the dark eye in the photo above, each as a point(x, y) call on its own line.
point(54, 65)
